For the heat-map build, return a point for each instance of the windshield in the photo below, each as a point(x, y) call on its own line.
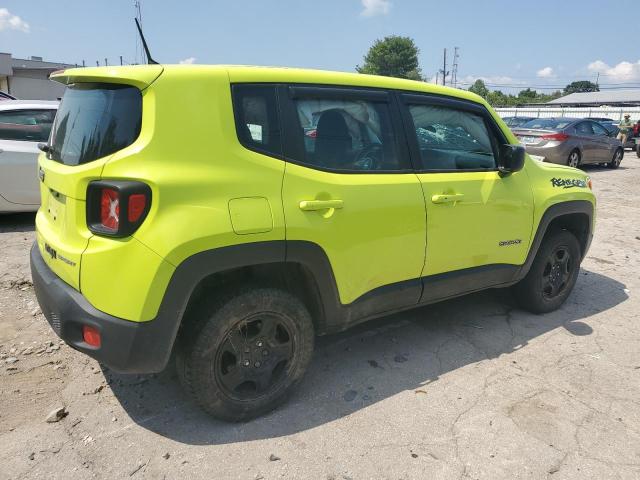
point(95, 120)
point(547, 123)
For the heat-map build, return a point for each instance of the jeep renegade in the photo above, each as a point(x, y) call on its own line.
point(230, 214)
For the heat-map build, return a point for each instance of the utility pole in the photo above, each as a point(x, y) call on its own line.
point(454, 70)
point(444, 69)
point(106, 64)
point(597, 80)
point(437, 76)
point(120, 59)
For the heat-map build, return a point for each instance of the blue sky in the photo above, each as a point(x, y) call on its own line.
point(504, 42)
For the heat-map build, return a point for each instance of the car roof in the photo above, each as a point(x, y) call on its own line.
point(144, 75)
point(28, 104)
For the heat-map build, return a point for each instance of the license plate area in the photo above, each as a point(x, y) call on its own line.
point(55, 207)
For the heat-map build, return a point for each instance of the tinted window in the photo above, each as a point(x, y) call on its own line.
point(584, 128)
point(451, 139)
point(347, 134)
point(95, 120)
point(547, 123)
point(257, 122)
point(26, 125)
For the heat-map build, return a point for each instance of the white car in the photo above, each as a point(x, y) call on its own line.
point(23, 124)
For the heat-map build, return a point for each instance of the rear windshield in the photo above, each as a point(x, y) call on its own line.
point(547, 123)
point(95, 120)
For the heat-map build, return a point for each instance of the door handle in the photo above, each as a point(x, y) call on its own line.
point(447, 198)
point(312, 205)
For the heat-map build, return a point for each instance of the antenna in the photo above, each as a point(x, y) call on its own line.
point(454, 73)
point(150, 60)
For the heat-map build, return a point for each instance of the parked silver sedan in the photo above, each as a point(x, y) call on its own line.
point(570, 141)
point(23, 124)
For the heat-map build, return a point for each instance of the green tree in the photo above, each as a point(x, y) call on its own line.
point(581, 86)
point(479, 88)
point(392, 56)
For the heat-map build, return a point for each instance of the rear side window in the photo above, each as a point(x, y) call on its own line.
point(26, 125)
point(95, 120)
point(584, 128)
point(257, 120)
point(452, 139)
point(347, 134)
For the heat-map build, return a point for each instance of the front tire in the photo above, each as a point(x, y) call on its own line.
point(553, 273)
point(242, 357)
point(573, 160)
point(617, 158)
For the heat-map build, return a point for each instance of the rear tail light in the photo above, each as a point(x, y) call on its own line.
point(558, 137)
point(117, 208)
point(91, 335)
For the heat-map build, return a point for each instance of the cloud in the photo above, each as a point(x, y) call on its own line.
point(622, 72)
point(546, 72)
point(375, 7)
point(188, 61)
point(8, 21)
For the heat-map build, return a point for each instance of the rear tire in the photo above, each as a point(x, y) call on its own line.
point(241, 357)
point(574, 159)
point(552, 275)
point(617, 158)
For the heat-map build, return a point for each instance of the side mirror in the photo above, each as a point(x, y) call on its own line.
point(511, 158)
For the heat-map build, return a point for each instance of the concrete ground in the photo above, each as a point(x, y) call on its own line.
point(468, 389)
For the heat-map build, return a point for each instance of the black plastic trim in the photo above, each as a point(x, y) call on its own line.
point(553, 212)
point(125, 189)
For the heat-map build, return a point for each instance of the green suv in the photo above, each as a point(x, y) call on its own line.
point(231, 214)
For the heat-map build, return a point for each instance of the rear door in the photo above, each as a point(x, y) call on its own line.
point(20, 133)
point(604, 143)
point(588, 143)
point(478, 221)
point(93, 121)
point(349, 188)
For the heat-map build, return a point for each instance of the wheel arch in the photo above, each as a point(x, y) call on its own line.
point(575, 216)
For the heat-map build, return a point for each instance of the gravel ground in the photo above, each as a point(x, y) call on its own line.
point(470, 389)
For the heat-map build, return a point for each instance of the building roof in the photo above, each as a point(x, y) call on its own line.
point(37, 64)
point(607, 97)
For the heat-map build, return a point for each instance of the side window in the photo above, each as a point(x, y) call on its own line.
point(257, 120)
point(26, 125)
point(347, 134)
point(452, 139)
point(598, 129)
point(584, 128)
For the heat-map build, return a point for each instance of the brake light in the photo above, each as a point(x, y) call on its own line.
point(137, 204)
point(117, 208)
point(109, 209)
point(558, 137)
point(91, 335)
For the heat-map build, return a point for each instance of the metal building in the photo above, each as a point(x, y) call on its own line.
point(609, 98)
point(28, 79)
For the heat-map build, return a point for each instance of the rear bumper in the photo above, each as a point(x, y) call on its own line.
point(126, 346)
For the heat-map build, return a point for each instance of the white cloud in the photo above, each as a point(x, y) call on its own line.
point(546, 72)
point(8, 21)
point(188, 61)
point(622, 72)
point(375, 7)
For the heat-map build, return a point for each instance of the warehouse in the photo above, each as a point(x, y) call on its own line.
point(28, 79)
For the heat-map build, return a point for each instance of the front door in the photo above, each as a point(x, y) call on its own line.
point(478, 222)
point(348, 187)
